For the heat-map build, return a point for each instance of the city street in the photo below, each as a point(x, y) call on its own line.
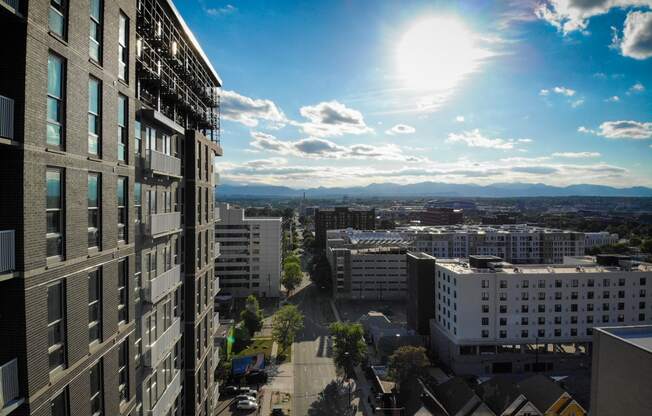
point(313, 366)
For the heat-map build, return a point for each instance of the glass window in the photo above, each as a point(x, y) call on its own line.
point(54, 213)
point(57, 17)
point(123, 48)
point(123, 371)
point(94, 116)
point(123, 136)
point(95, 35)
point(94, 210)
point(122, 208)
point(56, 326)
point(94, 306)
point(123, 309)
point(138, 201)
point(55, 101)
point(137, 133)
point(97, 405)
point(59, 405)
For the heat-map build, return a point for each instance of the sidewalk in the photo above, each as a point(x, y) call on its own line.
point(362, 388)
point(281, 380)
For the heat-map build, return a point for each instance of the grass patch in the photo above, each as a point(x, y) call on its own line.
point(255, 346)
point(285, 356)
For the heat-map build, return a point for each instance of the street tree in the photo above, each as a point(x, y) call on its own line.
point(406, 362)
point(292, 276)
point(348, 344)
point(332, 401)
point(286, 322)
point(252, 316)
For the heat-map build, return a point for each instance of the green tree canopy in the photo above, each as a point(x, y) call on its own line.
point(406, 362)
point(348, 344)
point(292, 276)
point(332, 401)
point(286, 322)
point(646, 246)
point(252, 316)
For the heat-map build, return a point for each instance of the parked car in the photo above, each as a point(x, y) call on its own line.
point(241, 397)
point(257, 377)
point(248, 391)
point(278, 411)
point(247, 405)
point(230, 390)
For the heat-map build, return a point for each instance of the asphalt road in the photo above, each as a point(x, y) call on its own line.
point(313, 365)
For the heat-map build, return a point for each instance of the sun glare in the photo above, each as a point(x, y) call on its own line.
point(436, 53)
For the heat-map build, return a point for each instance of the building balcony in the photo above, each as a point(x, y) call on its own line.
point(216, 178)
point(155, 289)
point(216, 286)
point(7, 251)
point(216, 321)
point(216, 250)
point(216, 393)
point(166, 223)
point(11, 4)
point(165, 402)
point(159, 349)
point(161, 164)
point(9, 388)
point(6, 103)
point(216, 355)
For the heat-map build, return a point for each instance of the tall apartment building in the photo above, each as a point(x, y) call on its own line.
point(109, 131)
point(496, 317)
point(342, 217)
point(250, 253)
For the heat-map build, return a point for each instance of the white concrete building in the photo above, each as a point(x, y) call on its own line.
point(602, 238)
point(494, 317)
point(250, 253)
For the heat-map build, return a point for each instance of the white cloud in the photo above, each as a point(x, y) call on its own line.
point(576, 155)
point(636, 88)
point(622, 129)
point(564, 91)
point(525, 140)
point(249, 111)
point(221, 11)
point(332, 118)
point(613, 99)
point(474, 138)
point(637, 35)
point(400, 129)
point(459, 119)
point(573, 15)
point(577, 103)
point(318, 148)
point(544, 92)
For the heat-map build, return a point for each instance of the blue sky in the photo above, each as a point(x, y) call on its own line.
point(339, 93)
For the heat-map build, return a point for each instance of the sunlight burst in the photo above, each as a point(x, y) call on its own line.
point(436, 53)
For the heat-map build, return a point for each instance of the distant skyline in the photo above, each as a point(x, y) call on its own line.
point(346, 93)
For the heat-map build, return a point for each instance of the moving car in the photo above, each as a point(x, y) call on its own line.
point(247, 405)
point(242, 397)
point(248, 391)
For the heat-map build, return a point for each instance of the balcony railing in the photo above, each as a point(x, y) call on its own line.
point(216, 355)
point(166, 401)
point(162, 164)
point(163, 344)
point(216, 214)
point(216, 321)
point(216, 250)
point(9, 389)
point(216, 393)
point(216, 286)
point(7, 251)
point(216, 178)
point(6, 103)
point(154, 290)
point(164, 223)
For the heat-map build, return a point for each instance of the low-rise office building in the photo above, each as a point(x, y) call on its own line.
point(496, 317)
point(341, 217)
point(250, 253)
point(602, 238)
point(621, 371)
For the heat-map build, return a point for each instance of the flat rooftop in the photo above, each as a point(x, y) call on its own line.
point(640, 335)
point(461, 266)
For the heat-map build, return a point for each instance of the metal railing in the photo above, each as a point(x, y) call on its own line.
point(155, 289)
point(166, 401)
point(7, 104)
point(7, 251)
point(216, 178)
point(9, 389)
point(157, 351)
point(162, 164)
point(216, 250)
point(216, 393)
point(216, 355)
point(216, 214)
point(216, 286)
point(216, 321)
point(164, 223)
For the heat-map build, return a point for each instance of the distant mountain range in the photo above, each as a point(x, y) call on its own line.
point(427, 189)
